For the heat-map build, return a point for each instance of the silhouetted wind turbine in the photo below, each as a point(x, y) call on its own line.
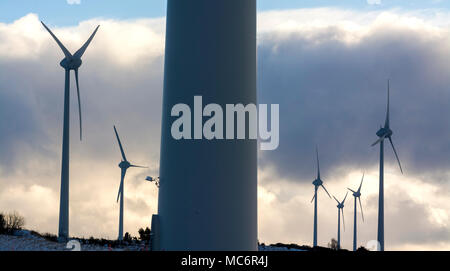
point(357, 195)
point(340, 207)
point(317, 183)
point(124, 165)
point(384, 132)
point(70, 62)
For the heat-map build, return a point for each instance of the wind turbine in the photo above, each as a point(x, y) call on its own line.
point(384, 132)
point(153, 179)
point(124, 165)
point(317, 183)
point(340, 207)
point(70, 62)
point(357, 195)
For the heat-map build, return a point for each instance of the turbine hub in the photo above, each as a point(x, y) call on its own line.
point(317, 182)
point(386, 132)
point(70, 63)
point(124, 164)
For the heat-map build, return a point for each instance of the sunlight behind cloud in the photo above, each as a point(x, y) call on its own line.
point(122, 42)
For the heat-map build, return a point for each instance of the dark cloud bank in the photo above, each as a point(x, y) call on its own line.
point(333, 94)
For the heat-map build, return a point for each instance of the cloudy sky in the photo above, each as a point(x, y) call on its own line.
point(325, 63)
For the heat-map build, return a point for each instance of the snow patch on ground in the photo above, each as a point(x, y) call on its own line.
point(271, 248)
point(31, 242)
point(25, 241)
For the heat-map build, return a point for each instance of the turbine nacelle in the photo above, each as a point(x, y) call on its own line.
point(357, 194)
point(384, 132)
point(71, 63)
point(124, 164)
point(317, 182)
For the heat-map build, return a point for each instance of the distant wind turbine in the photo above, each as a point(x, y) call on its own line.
point(357, 195)
point(340, 207)
point(70, 62)
point(153, 179)
point(384, 132)
point(124, 165)
point(317, 183)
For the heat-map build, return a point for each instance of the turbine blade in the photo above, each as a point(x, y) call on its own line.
point(313, 198)
point(343, 220)
point(359, 189)
point(318, 164)
point(65, 51)
point(336, 199)
point(360, 205)
point(351, 190)
point(378, 141)
point(396, 156)
point(138, 166)
point(122, 177)
point(81, 51)
point(79, 103)
point(386, 123)
point(345, 197)
point(325, 190)
point(120, 145)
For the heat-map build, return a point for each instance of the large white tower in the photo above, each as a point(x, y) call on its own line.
point(208, 188)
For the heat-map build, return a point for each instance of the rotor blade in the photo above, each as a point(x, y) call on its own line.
point(138, 166)
point(386, 124)
point(345, 197)
point(325, 190)
point(120, 145)
point(318, 165)
point(81, 51)
point(360, 205)
point(336, 199)
point(343, 220)
point(79, 103)
point(359, 189)
point(378, 141)
point(122, 177)
point(396, 156)
point(351, 190)
point(313, 198)
point(65, 51)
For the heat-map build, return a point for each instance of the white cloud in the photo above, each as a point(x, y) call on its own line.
point(122, 42)
point(73, 2)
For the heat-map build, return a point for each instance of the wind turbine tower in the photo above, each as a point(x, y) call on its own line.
point(317, 183)
point(70, 62)
point(124, 165)
point(340, 207)
point(208, 188)
point(383, 133)
point(357, 196)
